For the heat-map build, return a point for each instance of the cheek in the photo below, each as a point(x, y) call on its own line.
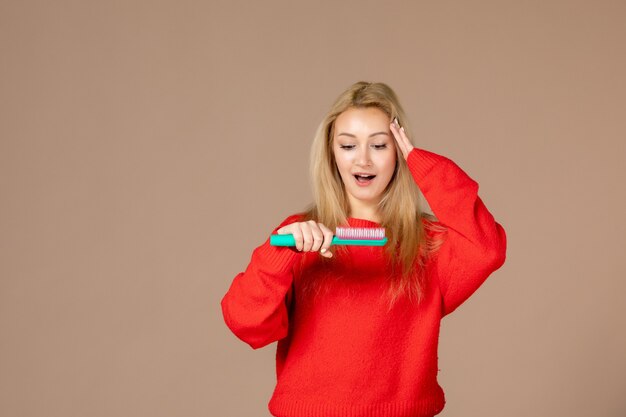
point(387, 163)
point(343, 161)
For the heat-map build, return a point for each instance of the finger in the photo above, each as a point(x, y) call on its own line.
point(406, 140)
point(283, 230)
point(328, 239)
point(318, 236)
point(398, 138)
point(401, 138)
point(307, 236)
point(298, 238)
point(400, 130)
point(294, 230)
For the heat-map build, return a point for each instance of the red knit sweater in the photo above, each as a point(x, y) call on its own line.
point(342, 352)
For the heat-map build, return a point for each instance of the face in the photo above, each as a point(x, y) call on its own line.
point(363, 144)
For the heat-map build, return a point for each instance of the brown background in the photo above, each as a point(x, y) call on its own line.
point(147, 148)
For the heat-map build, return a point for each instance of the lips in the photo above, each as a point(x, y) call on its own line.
point(364, 178)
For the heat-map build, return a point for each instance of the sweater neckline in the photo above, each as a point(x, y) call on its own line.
point(355, 221)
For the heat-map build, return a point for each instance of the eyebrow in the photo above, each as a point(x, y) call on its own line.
point(372, 135)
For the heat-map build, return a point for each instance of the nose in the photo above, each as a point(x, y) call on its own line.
point(362, 157)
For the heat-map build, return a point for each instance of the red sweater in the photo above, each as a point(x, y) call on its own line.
point(343, 353)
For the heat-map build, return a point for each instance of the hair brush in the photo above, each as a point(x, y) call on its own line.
point(356, 236)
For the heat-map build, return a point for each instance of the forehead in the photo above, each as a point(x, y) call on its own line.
point(366, 119)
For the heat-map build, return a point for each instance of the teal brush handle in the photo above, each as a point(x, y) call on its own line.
point(288, 240)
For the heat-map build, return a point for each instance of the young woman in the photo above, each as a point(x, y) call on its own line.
point(358, 326)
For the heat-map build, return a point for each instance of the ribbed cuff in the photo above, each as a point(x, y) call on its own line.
point(421, 161)
point(425, 407)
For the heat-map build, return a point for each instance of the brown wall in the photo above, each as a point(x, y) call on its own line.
point(146, 149)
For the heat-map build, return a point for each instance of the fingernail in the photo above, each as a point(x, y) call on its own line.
point(395, 121)
point(323, 250)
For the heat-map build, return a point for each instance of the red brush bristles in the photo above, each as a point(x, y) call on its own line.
point(361, 233)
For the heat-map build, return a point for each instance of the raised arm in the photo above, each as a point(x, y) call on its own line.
point(475, 244)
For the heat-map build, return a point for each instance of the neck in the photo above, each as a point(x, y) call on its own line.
point(361, 210)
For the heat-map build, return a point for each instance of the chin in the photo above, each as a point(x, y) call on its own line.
point(368, 198)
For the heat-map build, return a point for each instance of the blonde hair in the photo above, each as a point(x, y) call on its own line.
point(409, 244)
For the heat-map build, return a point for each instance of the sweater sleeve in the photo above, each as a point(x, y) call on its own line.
point(255, 306)
point(475, 244)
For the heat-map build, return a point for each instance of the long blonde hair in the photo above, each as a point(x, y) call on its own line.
point(409, 246)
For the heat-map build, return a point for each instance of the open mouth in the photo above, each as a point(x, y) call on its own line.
point(364, 178)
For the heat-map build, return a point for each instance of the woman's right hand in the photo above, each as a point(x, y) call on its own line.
point(310, 236)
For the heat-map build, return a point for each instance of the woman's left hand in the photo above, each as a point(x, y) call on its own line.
point(402, 140)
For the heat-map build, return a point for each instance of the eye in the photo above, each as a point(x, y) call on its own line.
point(380, 146)
point(346, 146)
